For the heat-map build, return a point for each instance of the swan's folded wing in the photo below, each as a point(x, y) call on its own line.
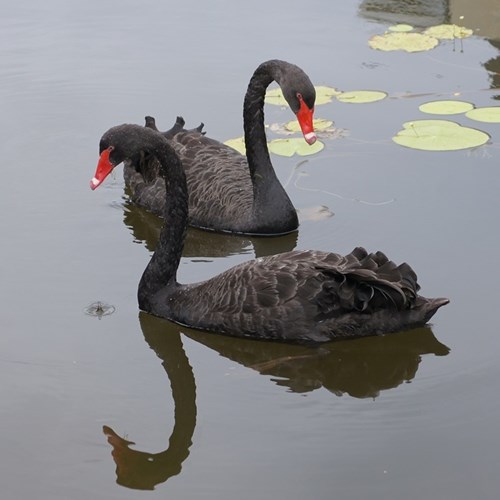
point(365, 282)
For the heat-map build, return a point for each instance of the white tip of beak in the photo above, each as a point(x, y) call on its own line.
point(310, 138)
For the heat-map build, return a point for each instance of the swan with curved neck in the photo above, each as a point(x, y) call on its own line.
point(229, 192)
point(298, 296)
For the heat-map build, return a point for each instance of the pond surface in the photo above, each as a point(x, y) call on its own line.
point(104, 405)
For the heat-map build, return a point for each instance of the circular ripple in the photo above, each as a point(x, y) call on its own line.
point(99, 309)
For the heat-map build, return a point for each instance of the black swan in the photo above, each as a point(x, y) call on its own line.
point(299, 296)
point(229, 192)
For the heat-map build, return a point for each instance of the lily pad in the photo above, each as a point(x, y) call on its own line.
point(238, 143)
point(275, 97)
point(401, 28)
point(447, 107)
point(439, 135)
point(294, 145)
point(448, 31)
point(318, 123)
point(323, 95)
point(410, 42)
point(490, 114)
point(361, 96)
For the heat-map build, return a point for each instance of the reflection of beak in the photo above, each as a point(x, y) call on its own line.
point(305, 118)
point(104, 168)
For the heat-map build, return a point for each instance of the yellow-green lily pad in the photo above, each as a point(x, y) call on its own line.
point(448, 31)
point(439, 135)
point(490, 114)
point(275, 96)
point(447, 107)
point(401, 28)
point(410, 42)
point(237, 143)
point(361, 96)
point(323, 95)
point(294, 145)
point(318, 124)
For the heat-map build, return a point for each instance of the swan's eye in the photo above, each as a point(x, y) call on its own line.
point(110, 148)
point(299, 96)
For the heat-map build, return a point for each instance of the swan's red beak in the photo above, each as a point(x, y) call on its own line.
point(305, 118)
point(104, 168)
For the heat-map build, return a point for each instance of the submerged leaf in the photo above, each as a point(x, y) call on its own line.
point(410, 42)
point(439, 135)
point(448, 31)
point(449, 107)
point(294, 145)
point(361, 96)
point(318, 124)
point(490, 114)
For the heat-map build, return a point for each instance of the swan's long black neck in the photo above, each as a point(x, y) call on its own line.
point(259, 163)
point(269, 195)
point(161, 272)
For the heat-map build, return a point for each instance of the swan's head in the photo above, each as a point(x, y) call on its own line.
point(120, 143)
point(300, 94)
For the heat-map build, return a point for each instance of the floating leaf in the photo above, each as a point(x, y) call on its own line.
point(410, 42)
point(489, 114)
point(318, 123)
point(401, 28)
point(439, 135)
point(323, 95)
point(448, 31)
point(275, 96)
point(294, 145)
point(238, 144)
point(361, 96)
point(449, 107)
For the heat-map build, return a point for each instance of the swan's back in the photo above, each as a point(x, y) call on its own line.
point(220, 190)
point(219, 185)
point(304, 296)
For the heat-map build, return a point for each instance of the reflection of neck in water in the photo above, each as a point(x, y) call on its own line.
point(361, 368)
point(146, 228)
point(142, 470)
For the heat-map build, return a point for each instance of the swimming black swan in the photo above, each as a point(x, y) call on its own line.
point(229, 192)
point(300, 296)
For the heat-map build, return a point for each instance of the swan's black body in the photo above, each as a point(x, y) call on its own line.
point(229, 192)
point(300, 296)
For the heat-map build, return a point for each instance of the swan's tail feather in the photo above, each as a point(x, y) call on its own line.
point(150, 122)
point(430, 306)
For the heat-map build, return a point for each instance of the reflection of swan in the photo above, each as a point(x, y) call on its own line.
point(141, 470)
point(361, 368)
point(146, 228)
